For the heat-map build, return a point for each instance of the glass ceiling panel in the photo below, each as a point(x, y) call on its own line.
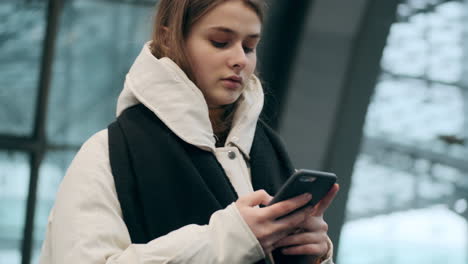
point(408, 201)
point(97, 44)
point(445, 37)
point(22, 29)
point(428, 44)
point(395, 101)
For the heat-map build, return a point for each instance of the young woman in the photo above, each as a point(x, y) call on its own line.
point(179, 177)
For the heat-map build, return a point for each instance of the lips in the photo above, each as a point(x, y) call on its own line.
point(232, 82)
point(234, 78)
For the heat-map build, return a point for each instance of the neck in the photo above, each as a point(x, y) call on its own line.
point(217, 114)
point(221, 118)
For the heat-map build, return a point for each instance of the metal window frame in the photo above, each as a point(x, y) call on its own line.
point(372, 145)
point(363, 75)
point(38, 143)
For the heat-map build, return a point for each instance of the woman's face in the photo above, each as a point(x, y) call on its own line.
point(222, 50)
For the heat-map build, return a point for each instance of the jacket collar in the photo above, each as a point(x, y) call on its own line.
point(165, 89)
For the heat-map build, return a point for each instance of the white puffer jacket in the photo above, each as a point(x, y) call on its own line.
point(86, 226)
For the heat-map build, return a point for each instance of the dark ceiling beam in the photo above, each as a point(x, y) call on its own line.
point(54, 9)
point(373, 146)
point(430, 7)
point(281, 38)
point(363, 71)
point(309, 121)
point(425, 79)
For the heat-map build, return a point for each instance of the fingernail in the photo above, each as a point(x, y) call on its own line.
point(305, 196)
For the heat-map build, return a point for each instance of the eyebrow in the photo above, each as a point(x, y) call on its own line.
point(230, 31)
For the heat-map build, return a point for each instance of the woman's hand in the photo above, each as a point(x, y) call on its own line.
point(263, 221)
point(312, 239)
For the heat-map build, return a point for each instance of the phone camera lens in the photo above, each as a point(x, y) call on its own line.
point(307, 179)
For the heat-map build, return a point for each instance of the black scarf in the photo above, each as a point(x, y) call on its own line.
point(164, 183)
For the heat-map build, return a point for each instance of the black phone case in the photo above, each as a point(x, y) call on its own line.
point(300, 183)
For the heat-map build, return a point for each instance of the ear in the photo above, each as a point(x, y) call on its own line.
point(165, 39)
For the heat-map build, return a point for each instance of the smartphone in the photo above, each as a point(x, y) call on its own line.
point(317, 183)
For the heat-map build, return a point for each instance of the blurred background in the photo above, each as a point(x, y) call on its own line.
point(373, 90)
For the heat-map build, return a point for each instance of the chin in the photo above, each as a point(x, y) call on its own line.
point(224, 100)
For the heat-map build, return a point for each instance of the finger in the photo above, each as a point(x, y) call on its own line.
point(277, 210)
point(277, 236)
point(315, 224)
point(327, 200)
point(256, 198)
point(292, 222)
point(301, 239)
point(308, 249)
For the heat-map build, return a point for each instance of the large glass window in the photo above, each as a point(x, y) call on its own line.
point(96, 43)
point(408, 200)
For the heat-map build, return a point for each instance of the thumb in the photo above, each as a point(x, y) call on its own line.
point(256, 198)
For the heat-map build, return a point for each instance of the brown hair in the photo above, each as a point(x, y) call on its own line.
point(174, 20)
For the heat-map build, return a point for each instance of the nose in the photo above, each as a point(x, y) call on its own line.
point(238, 58)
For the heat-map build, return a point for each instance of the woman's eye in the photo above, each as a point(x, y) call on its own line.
point(248, 50)
point(218, 44)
